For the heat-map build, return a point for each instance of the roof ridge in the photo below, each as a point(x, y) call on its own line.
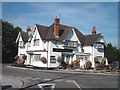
point(42, 25)
point(93, 34)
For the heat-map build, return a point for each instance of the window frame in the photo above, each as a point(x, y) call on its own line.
point(36, 41)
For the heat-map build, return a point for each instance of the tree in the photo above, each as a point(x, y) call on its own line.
point(112, 53)
point(9, 47)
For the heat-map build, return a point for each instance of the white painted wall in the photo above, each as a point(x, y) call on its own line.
point(99, 52)
point(72, 36)
point(56, 54)
point(37, 36)
point(89, 49)
point(21, 50)
point(39, 63)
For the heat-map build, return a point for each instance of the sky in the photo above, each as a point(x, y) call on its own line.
point(82, 15)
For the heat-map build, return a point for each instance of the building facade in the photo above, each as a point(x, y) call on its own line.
point(59, 40)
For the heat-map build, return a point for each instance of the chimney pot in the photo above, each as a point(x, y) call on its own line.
point(28, 29)
point(94, 30)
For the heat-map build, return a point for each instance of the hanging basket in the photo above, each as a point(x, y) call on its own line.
point(43, 59)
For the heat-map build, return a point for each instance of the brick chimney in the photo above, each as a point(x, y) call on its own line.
point(94, 30)
point(28, 29)
point(56, 27)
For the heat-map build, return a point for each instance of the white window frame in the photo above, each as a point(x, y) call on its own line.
point(36, 42)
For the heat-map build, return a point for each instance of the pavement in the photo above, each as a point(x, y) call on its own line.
point(11, 82)
point(20, 80)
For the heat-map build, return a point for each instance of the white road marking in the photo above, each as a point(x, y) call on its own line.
point(58, 80)
point(77, 84)
point(35, 78)
point(42, 85)
point(69, 80)
point(47, 79)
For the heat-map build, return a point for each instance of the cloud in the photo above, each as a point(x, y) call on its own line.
point(81, 15)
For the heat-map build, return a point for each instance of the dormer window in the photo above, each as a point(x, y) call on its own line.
point(69, 43)
point(36, 42)
point(99, 45)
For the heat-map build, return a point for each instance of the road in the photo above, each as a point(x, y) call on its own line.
point(31, 78)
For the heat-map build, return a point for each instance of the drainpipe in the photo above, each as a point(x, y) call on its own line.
point(47, 52)
point(93, 63)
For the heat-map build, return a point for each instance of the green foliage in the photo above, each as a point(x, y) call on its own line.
point(9, 47)
point(112, 53)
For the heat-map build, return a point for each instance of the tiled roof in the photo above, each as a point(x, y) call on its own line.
point(42, 30)
point(47, 33)
point(24, 36)
point(91, 39)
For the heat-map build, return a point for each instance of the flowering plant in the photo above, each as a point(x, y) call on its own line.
point(20, 61)
point(59, 58)
point(99, 65)
point(17, 57)
point(96, 60)
point(88, 64)
point(103, 59)
point(24, 56)
point(43, 59)
point(76, 63)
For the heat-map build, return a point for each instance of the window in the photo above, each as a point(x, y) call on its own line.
point(52, 59)
point(100, 45)
point(21, 44)
point(29, 44)
point(21, 55)
point(36, 42)
point(83, 57)
point(37, 57)
point(70, 43)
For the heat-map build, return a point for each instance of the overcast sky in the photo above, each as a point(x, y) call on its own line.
point(82, 15)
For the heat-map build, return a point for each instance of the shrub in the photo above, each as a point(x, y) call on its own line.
point(63, 64)
point(76, 63)
point(88, 64)
point(96, 60)
point(103, 60)
point(67, 62)
point(99, 65)
point(17, 57)
point(43, 59)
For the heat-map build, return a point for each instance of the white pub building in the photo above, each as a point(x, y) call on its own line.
point(59, 40)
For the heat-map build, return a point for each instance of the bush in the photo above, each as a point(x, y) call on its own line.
point(17, 57)
point(19, 61)
point(76, 63)
point(96, 60)
point(88, 64)
point(99, 65)
point(59, 59)
point(63, 64)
